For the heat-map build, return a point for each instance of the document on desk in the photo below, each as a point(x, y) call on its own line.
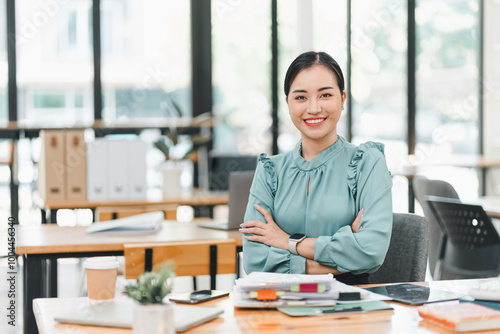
point(340, 309)
point(146, 223)
point(271, 290)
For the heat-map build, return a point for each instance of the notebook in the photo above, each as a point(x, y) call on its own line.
point(119, 313)
point(239, 190)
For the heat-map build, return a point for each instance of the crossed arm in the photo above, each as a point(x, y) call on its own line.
point(272, 235)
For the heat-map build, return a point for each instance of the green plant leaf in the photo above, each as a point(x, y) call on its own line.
point(152, 287)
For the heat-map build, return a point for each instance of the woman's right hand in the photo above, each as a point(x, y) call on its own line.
point(355, 227)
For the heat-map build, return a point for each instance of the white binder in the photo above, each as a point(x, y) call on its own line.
point(97, 171)
point(118, 170)
point(137, 169)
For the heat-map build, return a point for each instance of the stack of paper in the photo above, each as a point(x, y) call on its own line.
point(139, 224)
point(275, 290)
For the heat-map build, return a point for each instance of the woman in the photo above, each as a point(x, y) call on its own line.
point(326, 206)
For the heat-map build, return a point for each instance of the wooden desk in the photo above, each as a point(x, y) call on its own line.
point(42, 245)
point(195, 198)
point(405, 319)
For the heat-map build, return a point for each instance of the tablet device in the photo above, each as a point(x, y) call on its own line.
point(413, 294)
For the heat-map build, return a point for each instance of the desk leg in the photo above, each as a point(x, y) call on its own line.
point(44, 216)
point(239, 249)
point(411, 197)
point(53, 216)
point(52, 278)
point(32, 288)
point(482, 181)
point(213, 266)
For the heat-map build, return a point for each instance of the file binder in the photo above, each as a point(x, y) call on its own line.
point(76, 166)
point(51, 167)
point(97, 171)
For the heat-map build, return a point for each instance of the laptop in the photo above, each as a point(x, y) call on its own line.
point(119, 313)
point(239, 190)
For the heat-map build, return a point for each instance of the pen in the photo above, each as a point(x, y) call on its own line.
point(340, 310)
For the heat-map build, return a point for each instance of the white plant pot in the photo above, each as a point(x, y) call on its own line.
point(153, 319)
point(171, 172)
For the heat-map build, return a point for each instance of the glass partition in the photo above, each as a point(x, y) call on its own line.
point(447, 91)
point(318, 25)
point(54, 63)
point(241, 58)
point(379, 87)
point(4, 114)
point(146, 59)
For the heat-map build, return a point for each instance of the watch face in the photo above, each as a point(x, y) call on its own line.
point(297, 236)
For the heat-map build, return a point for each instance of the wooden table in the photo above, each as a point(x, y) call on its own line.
point(490, 204)
point(197, 197)
point(410, 168)
point(405, 319)
point(41, 246)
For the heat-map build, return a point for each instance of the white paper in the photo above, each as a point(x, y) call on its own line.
point(143, 223)
point(258, 279)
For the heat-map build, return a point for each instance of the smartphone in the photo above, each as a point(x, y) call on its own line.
point(198, 296)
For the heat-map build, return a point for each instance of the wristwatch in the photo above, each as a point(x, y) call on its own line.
point(293, 241)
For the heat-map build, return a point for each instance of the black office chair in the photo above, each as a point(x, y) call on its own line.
point(406, 259)
point(422, 188)
point(220, 166)
point(472, 244)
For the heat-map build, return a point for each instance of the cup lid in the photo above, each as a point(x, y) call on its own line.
point(101, 262)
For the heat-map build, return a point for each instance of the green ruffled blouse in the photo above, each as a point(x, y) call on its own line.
point(344, 179)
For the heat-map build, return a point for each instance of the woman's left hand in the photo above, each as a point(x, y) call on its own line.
point(270, 234)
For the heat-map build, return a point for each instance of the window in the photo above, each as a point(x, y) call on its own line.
point(318, 25)
point(241, 49)
point(146, 59)
point(4, 115)
point(75, 31)
point(54, 63)
point(447, 88)
point(379, 87)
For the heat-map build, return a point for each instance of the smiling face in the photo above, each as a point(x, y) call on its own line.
point(315, 103)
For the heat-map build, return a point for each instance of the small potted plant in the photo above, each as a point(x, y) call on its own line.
point(180, 151)
point(152, 315)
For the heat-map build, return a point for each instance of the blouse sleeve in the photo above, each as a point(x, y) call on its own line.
point(258, 256)
point(370, 185)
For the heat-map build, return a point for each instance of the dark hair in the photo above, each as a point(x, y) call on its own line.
point(309, 59)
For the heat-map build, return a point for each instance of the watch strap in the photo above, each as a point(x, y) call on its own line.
point(292, 245)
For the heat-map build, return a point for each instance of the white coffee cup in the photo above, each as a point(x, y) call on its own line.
point(101, 278)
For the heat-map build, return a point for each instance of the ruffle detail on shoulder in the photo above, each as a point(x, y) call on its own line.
point(271, 177)
point(352, 169)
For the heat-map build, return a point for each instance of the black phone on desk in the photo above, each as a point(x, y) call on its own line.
point(196, 297)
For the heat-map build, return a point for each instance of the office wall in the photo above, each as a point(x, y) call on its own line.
point(491, 82)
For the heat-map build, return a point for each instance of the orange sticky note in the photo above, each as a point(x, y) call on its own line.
point(266, 294)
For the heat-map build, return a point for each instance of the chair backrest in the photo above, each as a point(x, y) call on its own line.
point(473, 243)
point(406, 259)
point(422, 188)
point(191, 258)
